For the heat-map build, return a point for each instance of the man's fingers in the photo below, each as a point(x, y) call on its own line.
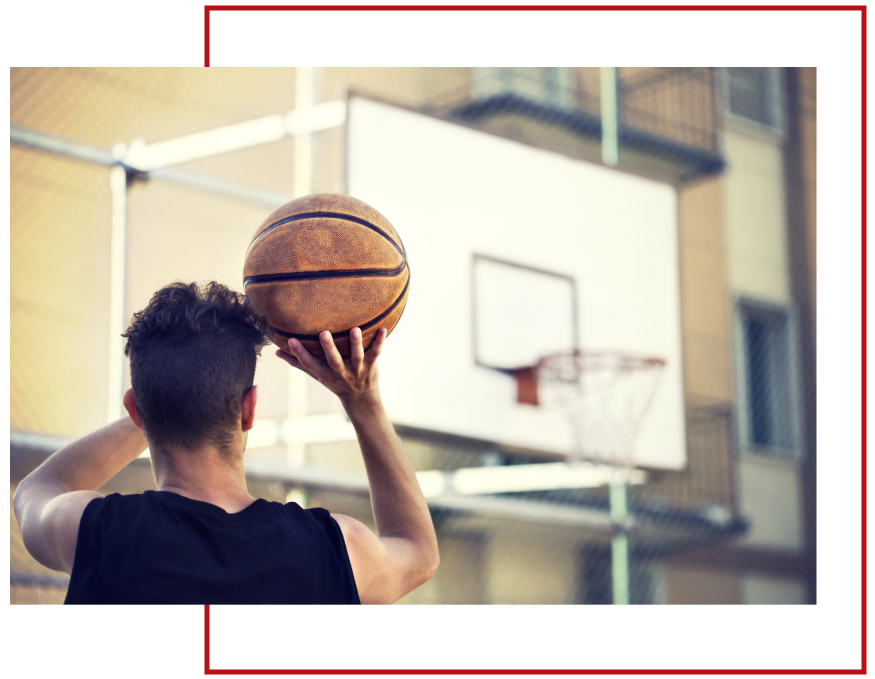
point(356, 349)
point(288, 358)
point(294, 362)
point(332, 355)
point(376, 347)
point(308, 361)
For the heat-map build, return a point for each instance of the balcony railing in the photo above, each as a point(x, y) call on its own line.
point(668, 122)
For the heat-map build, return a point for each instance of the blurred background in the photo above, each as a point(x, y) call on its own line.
point(123, 180)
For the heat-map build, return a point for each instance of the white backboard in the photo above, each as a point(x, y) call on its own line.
point(452, 193)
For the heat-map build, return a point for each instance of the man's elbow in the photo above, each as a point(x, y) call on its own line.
point(435, 560)
point(430, 562)
point(18, 500)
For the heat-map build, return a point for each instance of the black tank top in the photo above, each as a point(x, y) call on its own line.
point(159, 547)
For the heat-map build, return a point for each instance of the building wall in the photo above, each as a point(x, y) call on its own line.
point(529, 565)
point(808, 137)
point(59, 300)
point(756, 233)
point(706, 311)
point(803, 246)
point(687, 586)
point(758, 258)
point(770, 500)
point(760, 590)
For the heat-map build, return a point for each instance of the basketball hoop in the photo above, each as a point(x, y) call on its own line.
point(605, 394)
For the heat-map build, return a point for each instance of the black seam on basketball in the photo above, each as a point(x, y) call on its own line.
point(316, 275)
point(336, 215)
point(345, 333)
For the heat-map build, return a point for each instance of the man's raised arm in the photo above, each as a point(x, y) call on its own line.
point(406, 553)
point(49, 501)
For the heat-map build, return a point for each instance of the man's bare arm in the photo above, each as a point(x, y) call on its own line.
point(89, 462)
point(49, 501)
point(410, 552)
point(406, 553)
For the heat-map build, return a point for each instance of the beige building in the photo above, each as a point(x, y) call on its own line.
point(736, 525)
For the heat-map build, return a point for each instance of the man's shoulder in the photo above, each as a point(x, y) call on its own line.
point(104, 508)
point(316, 515)
point(316, 521)
point(119, 500)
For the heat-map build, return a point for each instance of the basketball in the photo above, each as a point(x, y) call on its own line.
point(327, 262)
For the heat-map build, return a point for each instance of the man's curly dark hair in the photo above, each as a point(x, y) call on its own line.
point(193, 352)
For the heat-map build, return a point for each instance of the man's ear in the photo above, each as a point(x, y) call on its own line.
point(131, 407)
point(248, 415)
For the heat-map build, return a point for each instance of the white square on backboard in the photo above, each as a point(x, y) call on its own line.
point(520, 314)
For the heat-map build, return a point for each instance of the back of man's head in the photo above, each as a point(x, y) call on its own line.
point(193, 352)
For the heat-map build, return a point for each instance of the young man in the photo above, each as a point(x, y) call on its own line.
point(201, 538)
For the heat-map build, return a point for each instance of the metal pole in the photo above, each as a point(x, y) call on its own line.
point(610, 110)
point(620, 544)
point(90, 154)
point(118, 186)
point(305, 97)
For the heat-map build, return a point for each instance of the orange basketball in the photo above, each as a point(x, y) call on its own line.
point(327, 262)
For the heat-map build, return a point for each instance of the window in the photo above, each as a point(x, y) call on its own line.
point(545, 85)
point(753, 98)
point(767, 401)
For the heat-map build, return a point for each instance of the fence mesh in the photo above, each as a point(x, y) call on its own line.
point(735, 525)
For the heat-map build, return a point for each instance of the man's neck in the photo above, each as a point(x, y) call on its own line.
point(205, 475)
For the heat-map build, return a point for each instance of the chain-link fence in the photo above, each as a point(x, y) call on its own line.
point(734, 525)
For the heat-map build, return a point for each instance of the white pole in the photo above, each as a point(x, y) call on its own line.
point(619, 544)
point(118, 187)
point(305, 96)
point(300, 122)
point(610, 109)
point(302, 185)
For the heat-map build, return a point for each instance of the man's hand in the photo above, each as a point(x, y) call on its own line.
point(352, 379)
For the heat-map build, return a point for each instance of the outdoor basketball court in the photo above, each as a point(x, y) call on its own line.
point(576, 376)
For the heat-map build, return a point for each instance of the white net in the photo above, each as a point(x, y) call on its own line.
point(605, 394)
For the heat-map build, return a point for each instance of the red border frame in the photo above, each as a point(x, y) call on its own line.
point(592, 8)
point(208, 670)
point(527, 8)
point(863, 332)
